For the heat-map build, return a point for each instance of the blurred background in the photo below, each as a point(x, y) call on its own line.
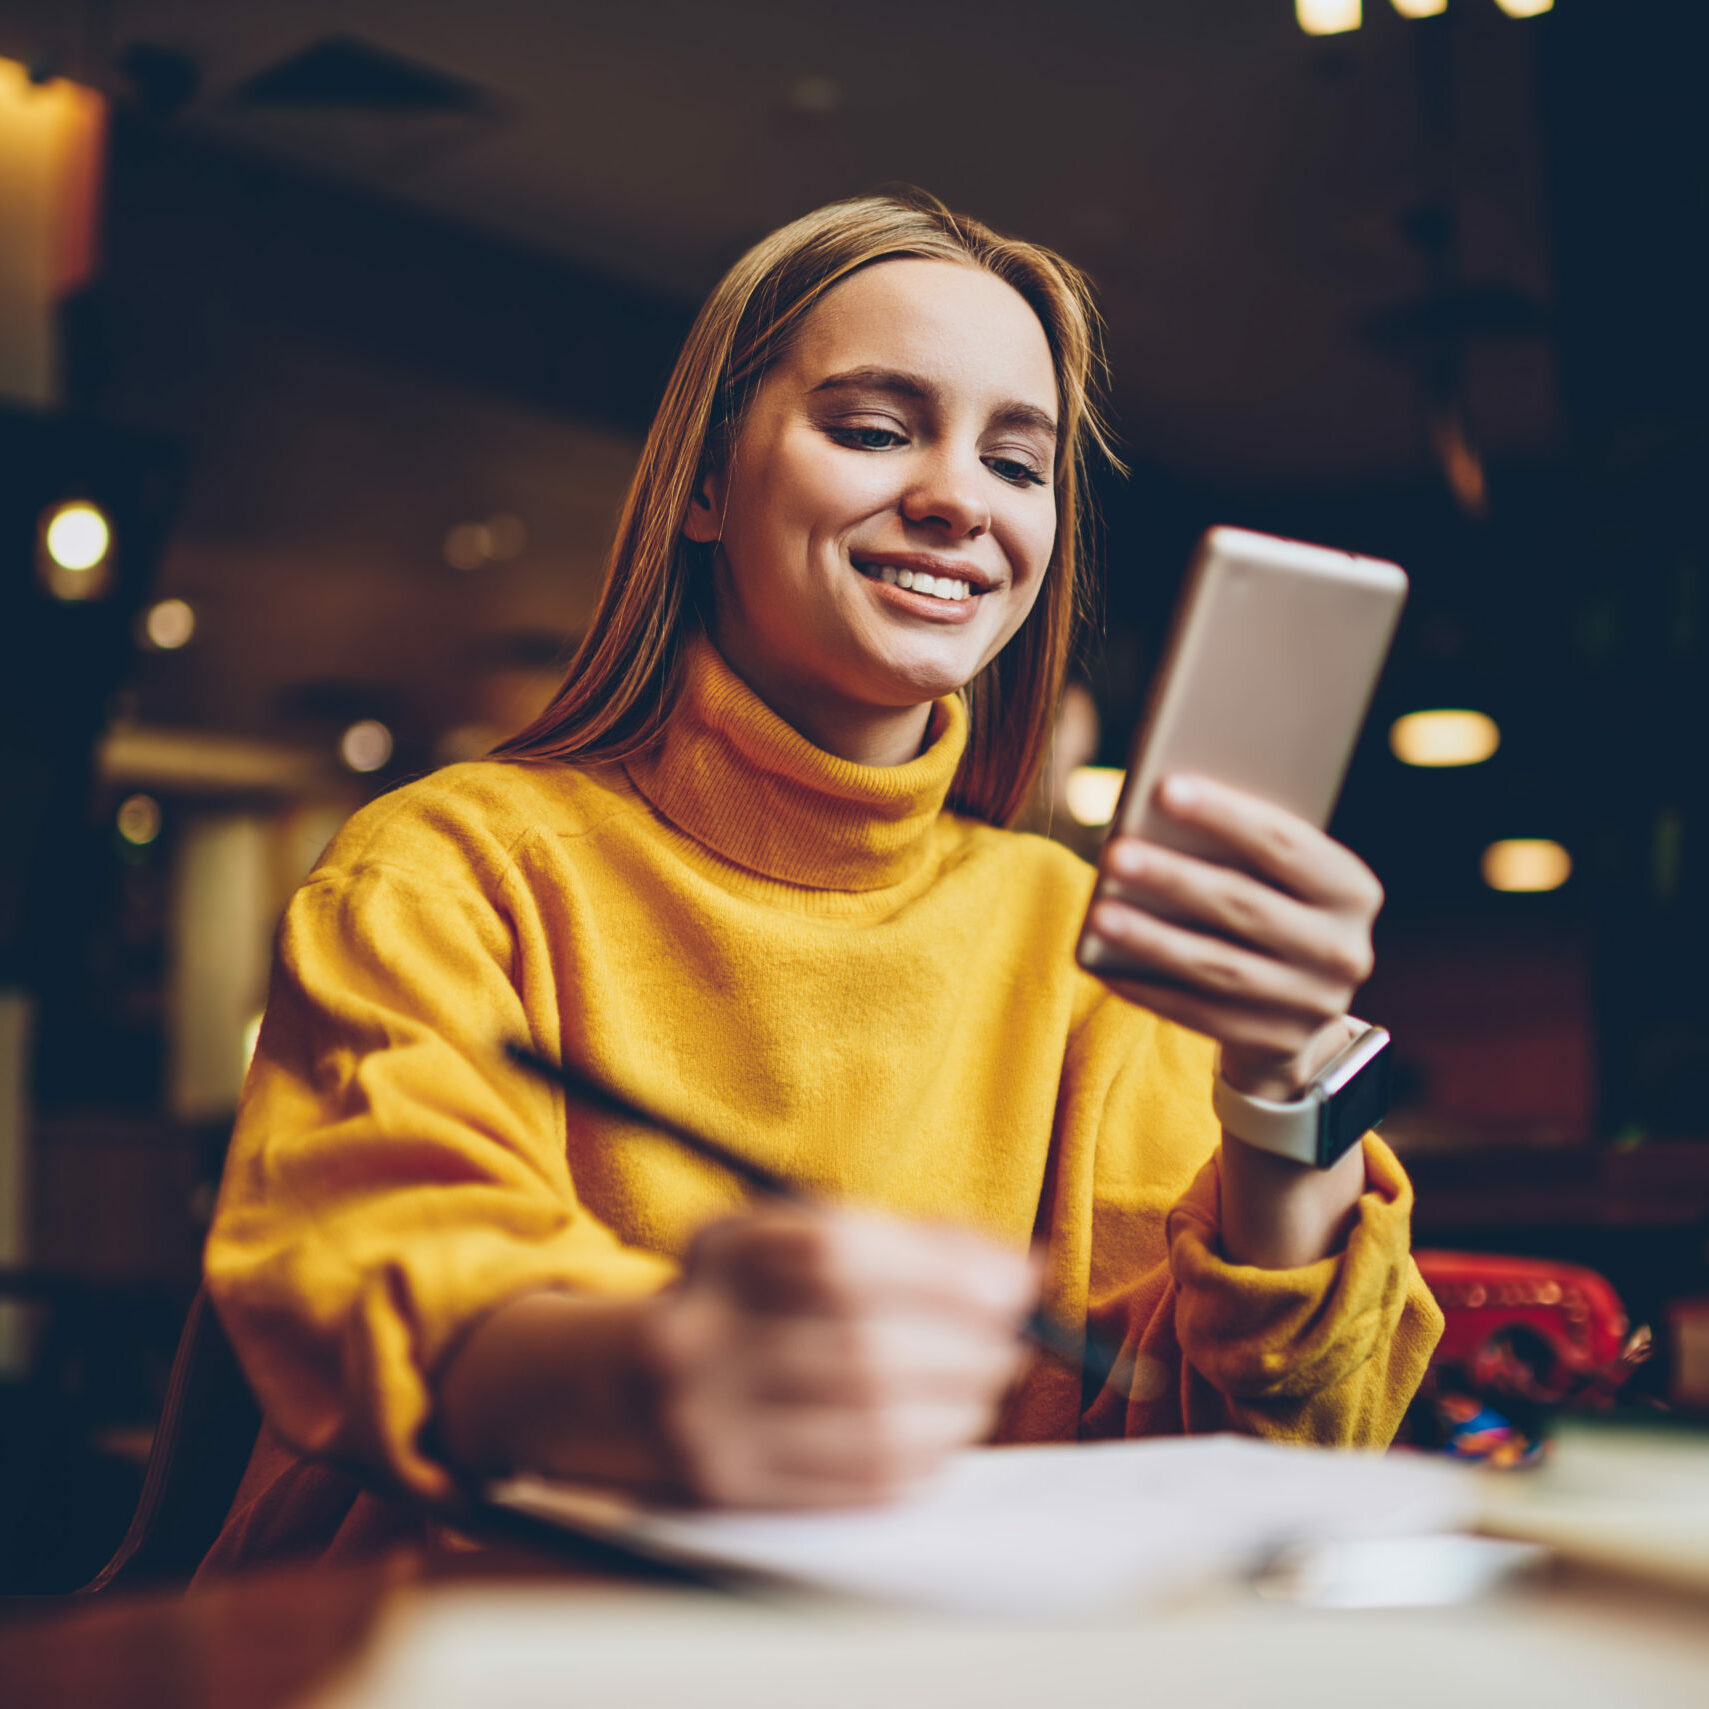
point(328, 333)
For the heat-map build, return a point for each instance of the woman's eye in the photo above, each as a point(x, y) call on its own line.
point(867, 438)
point(1016, 473)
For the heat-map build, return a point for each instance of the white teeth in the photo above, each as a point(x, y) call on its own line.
point(917, 581)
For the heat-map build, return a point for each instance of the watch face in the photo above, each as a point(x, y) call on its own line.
point(1357, 1108)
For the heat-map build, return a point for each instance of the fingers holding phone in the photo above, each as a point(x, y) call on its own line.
point(1220, 902)
point(1260, 942)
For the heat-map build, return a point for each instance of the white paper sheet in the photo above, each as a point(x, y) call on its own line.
point(1047, 1530)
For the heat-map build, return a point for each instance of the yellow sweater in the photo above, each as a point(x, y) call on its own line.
point(809, 958)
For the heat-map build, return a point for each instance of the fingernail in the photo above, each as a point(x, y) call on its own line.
point(1180, 792)
point(1127, 859)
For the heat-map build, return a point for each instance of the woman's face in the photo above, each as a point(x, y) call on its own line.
point(910, 436)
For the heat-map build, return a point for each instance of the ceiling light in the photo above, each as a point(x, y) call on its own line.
point(1421, 8)
point(74, 553)
point(1526, 864)
point(1526, 8)
point(139, 820)
point(1092, 792)
point(169, 625)
point(366, 745)
point(78, 536)
point(1327, 17)
point(1444, 738)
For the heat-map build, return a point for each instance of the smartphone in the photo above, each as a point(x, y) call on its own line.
point(1272, 658)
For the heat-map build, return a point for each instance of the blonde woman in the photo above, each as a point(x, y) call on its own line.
point(750, 867)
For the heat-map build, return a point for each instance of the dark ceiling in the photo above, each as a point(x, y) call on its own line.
point(1238, 190)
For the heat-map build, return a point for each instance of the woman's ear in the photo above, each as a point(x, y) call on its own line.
point(704, 523)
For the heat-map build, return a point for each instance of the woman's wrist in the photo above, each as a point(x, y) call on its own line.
point(559, 1383)
point(1277, 1214)
point(1285, 1079)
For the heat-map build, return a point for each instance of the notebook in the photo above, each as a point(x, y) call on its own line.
point(1041, 1530)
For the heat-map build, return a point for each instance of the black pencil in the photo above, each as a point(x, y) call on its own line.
point(1098, 1361)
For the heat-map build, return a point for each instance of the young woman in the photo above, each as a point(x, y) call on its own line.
point(749, 867)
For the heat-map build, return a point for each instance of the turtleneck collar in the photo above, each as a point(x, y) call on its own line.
point(739, 780)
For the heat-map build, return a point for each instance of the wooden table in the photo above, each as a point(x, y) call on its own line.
point(261, 1642)
point(512, 1630)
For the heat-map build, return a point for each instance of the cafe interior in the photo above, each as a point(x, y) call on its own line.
point(329, 335)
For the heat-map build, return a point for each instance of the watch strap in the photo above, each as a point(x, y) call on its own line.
point(1345, 1099)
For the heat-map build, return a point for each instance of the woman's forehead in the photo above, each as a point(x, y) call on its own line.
point(950, 323)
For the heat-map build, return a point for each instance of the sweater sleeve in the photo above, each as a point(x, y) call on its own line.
point(1330, 1353)
point(390, 1177)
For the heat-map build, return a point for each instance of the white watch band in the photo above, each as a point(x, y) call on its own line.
point(1289, 1130)
point(1296, 1129)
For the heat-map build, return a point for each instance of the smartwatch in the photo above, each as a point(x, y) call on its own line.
point(1345, 1100)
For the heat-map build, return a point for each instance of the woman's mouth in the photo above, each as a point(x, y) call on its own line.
point(950, 588)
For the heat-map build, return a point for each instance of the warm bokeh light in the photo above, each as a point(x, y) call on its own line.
point(1526, 863)
point(1420, 8)
point(366, 745)
point(251, 1036)
point(1327, 17)
point(139, 819)
point(1092, 792)
point(467, 546)
point(169, 624)
point(1444, 738)
point(1526, 8)
point(77, 537)
point(474, 545)
point(52, 154)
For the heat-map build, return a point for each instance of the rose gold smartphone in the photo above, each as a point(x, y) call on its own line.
point(1272, 659)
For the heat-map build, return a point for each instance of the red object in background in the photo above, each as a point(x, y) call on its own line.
point(1530, 1328)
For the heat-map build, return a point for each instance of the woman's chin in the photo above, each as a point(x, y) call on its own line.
point(916, 676)
point(921, 663)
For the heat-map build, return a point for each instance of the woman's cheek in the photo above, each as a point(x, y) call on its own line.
point(830, 478)
point(1035, 541)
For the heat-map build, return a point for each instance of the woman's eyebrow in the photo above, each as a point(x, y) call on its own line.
point(1025, 416)
point(875, 380)
point(900, 384)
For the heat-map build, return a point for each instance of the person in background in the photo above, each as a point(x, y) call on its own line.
point(750, 868)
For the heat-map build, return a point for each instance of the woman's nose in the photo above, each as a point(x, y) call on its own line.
point(947, 493)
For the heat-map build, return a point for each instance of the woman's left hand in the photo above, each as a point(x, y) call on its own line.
point(1263, 954)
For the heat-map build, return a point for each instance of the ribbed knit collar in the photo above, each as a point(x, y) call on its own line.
point(734, 776)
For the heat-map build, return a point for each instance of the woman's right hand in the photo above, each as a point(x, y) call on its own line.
point(813, 1358)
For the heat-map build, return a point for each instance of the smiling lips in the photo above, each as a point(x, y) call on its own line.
point(951, 588)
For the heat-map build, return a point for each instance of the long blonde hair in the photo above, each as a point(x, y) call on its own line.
point(623, 679)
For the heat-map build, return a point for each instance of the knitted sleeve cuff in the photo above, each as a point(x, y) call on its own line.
point(1259, 1334)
